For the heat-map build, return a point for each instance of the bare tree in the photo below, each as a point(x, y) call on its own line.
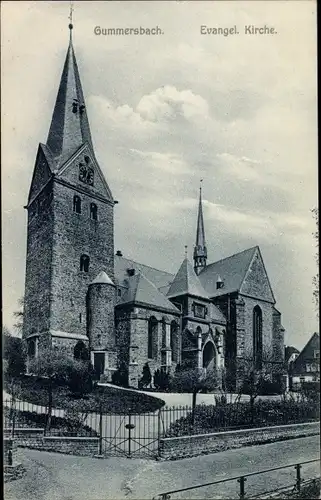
point(255, 379)
point(194, 380)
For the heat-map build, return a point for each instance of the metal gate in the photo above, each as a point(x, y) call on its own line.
point(130, 435)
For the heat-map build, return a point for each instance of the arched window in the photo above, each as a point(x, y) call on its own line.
point(174, 341)
point(32, 349)
point(152, 337)
point(209, 355)
point(84, 263)
point(257, 337)
point(93, 211)
point(77, 204)
point(81, 351)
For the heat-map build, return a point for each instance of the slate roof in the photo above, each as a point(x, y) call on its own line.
point(186, 282)
point(142, 291)
point(68, 130)
point(161, 279)
point(231, 269)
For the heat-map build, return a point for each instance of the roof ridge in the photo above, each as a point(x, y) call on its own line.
point(145, 265)
point(233, 255)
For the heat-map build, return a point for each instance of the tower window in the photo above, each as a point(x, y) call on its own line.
point(84, 263)
point(77, 204)
point(93, 211)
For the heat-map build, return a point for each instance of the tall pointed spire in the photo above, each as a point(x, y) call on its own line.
point(69, 127)
point(200, 251)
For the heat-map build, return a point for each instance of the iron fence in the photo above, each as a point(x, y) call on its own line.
point(241, 480)
point(204, 419)
point(21, 414)
point(133, 434)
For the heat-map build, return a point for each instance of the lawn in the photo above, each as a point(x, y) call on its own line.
point(108, 399)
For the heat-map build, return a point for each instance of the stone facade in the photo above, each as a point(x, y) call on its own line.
point(131, 334)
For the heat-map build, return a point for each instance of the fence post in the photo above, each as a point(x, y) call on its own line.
point(159, 431)
point(100, 430)
point(298, 477)
point(13, 407)
point(242, 480)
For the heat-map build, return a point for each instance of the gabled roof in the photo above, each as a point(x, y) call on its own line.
point(307, 353)
point(102, 278)
point(141, 291)
point(69, 127)
point(232, 270)
point(186, 282)
point(161, 279)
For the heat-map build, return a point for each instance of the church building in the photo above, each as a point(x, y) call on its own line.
point(80, 294)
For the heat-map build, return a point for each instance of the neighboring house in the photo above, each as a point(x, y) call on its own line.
point(79, 293)
point(306, 366)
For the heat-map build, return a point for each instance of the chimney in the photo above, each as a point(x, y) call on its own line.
point(119, 254)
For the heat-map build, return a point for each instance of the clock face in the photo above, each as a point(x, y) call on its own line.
point(86, 174)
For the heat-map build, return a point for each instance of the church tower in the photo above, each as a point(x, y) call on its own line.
point(70, 236)
point(200, 251)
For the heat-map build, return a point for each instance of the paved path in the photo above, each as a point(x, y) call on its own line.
point(53, 476)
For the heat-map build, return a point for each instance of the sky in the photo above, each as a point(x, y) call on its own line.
point(165, 111)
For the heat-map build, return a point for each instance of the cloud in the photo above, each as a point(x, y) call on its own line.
point(167, 103)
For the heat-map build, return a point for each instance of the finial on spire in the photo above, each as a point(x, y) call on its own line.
point(70, 17)
point(186, 247)
point(201, 180)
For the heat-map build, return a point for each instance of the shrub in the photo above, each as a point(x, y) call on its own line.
point(80, 378)
point(212, 418)
point(146, 378)
point(120, 376)
point(161, 380)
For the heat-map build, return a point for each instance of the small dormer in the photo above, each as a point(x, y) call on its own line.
point(219, 283)
point(130, 271)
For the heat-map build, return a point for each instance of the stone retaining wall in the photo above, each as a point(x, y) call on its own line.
point(34, 438)
point(190, 446)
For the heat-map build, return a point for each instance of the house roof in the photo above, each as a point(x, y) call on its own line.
point(307, 354)
point(142, 291)
point(232, 270)
point(186, 282)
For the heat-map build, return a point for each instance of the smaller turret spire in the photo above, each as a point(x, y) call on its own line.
point(200, 251)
